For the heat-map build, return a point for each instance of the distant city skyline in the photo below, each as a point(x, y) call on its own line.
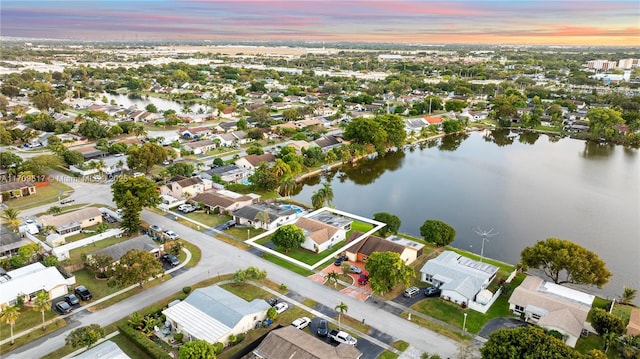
point(531, 22)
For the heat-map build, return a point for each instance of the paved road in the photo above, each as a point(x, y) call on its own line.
point(219, 257)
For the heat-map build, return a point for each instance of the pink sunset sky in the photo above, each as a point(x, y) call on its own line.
point(539, 22)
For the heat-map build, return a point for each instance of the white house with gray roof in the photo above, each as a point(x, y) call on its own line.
point(213, 314)
point(460, 278)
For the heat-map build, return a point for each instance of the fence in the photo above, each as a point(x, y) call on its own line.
point(62, 252)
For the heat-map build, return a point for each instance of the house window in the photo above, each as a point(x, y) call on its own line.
point(535, 316)
point(518, 309)
point(428, 278)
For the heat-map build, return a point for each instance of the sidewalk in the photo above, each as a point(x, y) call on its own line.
point(18, 335)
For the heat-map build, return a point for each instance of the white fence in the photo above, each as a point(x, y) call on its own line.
point(62, 252)
point(483, 308)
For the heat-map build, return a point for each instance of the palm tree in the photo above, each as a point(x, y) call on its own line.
point(328, 193)
point(263, 217)
point(318, 198)
point(628, 295)
point(287, 186)
point(41, 303)
point(10, 215)
point(333, 278)
point(609, 339)
point(139, 131)
point(10, 315)
point(341, 308)
point(54, 210)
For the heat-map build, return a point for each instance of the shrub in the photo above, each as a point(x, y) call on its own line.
point(556, 334)
point(604, 322)
point(178, 336)
point(143, 342)
point(218, 347)
point(186, 290)
point(283, 286)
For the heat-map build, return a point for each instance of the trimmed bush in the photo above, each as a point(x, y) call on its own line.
point(186, 290)
point(143, 342)
point(218, 347)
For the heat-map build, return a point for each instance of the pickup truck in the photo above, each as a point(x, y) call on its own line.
point(342, 337)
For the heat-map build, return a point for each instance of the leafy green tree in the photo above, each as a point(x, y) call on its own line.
point(386, 270)
point(556, 257)
point(181, 169)
point(272, 314)
point(10, 315)
point(242, 124)
point(72, 158)
point(132, 194)
point(394, 126)
point(9, 160)
point(451, 126)
point(92, 129)
point(41, 304)
point(288, 237)
point(455, 105)
point(135, 266)
point(197, 349)
point(366, 131)
point(393, 223)
point(438, 232)
point(38, 165)
point(142, 158)
point(85, 336)
point(264, 177)
point(602, 121)
point(45, 101)
point(151, 108)
point(261, 116)
point(605, 322)
point(51, 261)
point(525, 342)
point(341, 308)
point(218, 161)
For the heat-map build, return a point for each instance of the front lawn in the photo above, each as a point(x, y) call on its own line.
point(47, 194)
point(28, 319)
point(286, 264)
point(593, 341)
point(98, 288)
point(301, 254)
point(210, 220)
point(75, 255)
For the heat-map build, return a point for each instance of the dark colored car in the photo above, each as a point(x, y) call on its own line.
point(363, 278)
point(339, 260)
point(171, 259)
point(63, 307)
point(323, 328)
point(71, 299)
point(272, 301)
point(83, 293)
point(432, 292)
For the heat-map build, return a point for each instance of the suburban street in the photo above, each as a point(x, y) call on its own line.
point(220, 258)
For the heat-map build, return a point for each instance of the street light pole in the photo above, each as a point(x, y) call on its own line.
point(464, 323)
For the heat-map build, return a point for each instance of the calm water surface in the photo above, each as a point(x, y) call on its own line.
point(141, 103)
point(526, 187)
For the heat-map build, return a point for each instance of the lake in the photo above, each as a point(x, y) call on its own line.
point(142, 102)
point(525, 187)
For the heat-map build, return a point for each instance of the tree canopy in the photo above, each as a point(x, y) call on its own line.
point(525, 342)
point(437, 232)
point(393, 222)
point(386, 270)
point(602, 120)
point(85, 336)
point(135, 266)
point(604, 322)
point(197, 349)
point(566, 262)
point(142, 158)
point(132, 194)
point(288, 236)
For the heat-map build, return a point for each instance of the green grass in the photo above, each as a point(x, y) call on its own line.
point(309, 302)
point(241, 232)
point(401, 345)
point(196, 254)
point(29, 337)
point(28, 319)
point(246, 291)
point(437, 328)
point(593, 341)
point(501, 265)
point(99, 288)
point(360, 227)
point(210, 220)
point(388, 355)
point(304, 255)
point(89, 232)
point(43, 195)
point(286, 264)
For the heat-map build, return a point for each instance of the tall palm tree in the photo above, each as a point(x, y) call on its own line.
point(609, 339)
point(628, 295)
point(328, 193)
point(10, 315)
point(341, 308)
point(287, 186)
point(41, 303)
point(139, 131)
point(333, 278)
point(263, 217)
point(10, 215)
point(317, 199)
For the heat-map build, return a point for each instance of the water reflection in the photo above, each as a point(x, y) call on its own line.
point(596, 150)
point(501, 137)
point(452, 142)
point(529, 137)
point(368, 170)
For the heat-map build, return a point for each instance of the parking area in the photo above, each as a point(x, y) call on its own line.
point(356, 290)
point(58, 305)
point(499, 323)
point(408, 302)
point(368, 349)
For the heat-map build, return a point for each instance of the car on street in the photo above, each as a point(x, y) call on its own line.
point(71, 299)
point(171, 235)
point(323, 328)
point(155, 228)
point(83, 293)
point(171, 259)
point(226, 225)
point(354, 269)
point(339, 260)
point(63, 307)
point(411, 291)
point(432, 292)
point(281, 307)
point(301, 323)
point(67, 200)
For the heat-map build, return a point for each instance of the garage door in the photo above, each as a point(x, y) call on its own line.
point(58, 291)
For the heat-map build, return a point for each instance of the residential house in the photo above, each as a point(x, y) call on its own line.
point(227, 126)
point(104, 350)
point(223, 201)
point(213, 314)
point(552, 307)
point(16, 189)
point(298, 145)
point(460, 278)
point(29, 280)
point(227, 173)
point(181, 187)
point(10, 242)
point(71, 223)
point(310, 122)
point(633, 328)
point(332, 219)
point(142, 243)
point(241, 137)
point(264, 215)
point(251, 162)
point(199, 147)
point(289, 342)
point(196, 132)
point(319, 236)
point(434, 120)
point(226, 139)
point(415, 124)
point(360, 251)
point(327, 143)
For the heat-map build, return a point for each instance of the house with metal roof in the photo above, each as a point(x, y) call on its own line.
point(552, 306)
point(460, 278)
point(29, 280)
point(105, 350)
point(213, 314)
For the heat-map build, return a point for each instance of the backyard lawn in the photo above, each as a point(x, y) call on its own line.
point(43, 195)
point(75, 255)
point(210, 220)
point(304, 255)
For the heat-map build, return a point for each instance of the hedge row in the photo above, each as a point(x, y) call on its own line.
point(143, 342)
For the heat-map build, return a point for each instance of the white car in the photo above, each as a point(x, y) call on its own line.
point(281, 307)
point(172, 235)
point(301, 323)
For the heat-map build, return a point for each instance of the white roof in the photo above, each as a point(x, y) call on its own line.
point(106, 350)
point(195, 322)
point(29, 279)
point(566, 293)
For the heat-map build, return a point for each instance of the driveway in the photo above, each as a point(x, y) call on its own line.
point(499, 323)
point(368, 349)
point(408, 302)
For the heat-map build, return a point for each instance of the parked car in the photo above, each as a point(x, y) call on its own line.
point(342, 337)
point(83, 293)
point(272, 301)
point(67, 200)
point(363, 278)
point(281, 307)
point(63, 307)
point(171, 235)
point(171, 259)
point(432, 292)
point(411, 291)
point(301, 323)
point(323, 328)
point(155, 228)
point(226, 225)
point(186, 208)
point(71, 299)
point(339, 260)
point(354, 269)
